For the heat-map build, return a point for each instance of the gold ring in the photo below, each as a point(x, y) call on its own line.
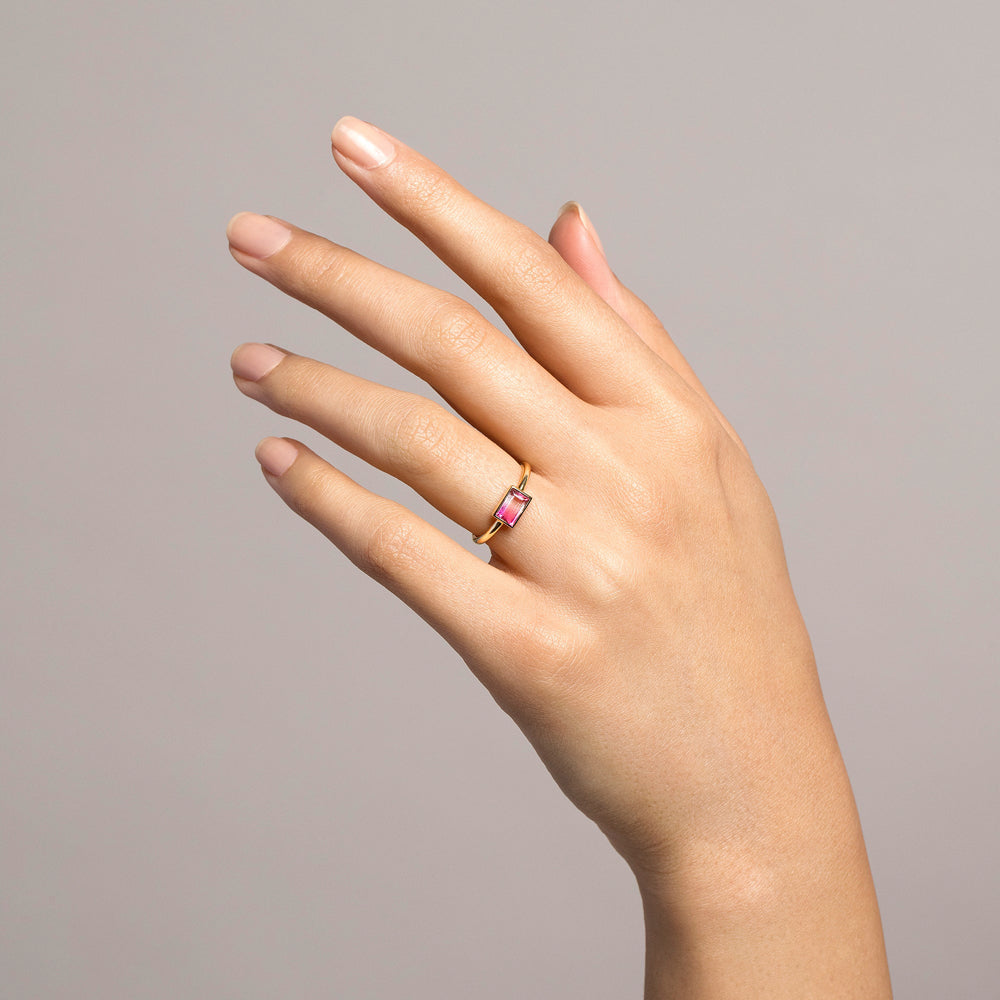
point(513, 505)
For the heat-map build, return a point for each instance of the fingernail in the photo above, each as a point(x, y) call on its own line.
point(254, 361)
point(363, 144)
point(587, 224)
point(276, 455)
point(257, 235)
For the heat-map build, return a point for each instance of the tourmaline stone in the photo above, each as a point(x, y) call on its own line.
point(512, 506)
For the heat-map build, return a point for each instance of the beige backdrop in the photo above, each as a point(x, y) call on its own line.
point(231, 766)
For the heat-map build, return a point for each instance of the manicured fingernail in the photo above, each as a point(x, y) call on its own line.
point(257, 235)
point(254, 361)
point(276, 455)
point(363, 144)
point(587, 224)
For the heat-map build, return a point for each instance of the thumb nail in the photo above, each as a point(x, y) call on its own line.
point(575, 206)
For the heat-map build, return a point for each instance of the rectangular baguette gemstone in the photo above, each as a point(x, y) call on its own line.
point(512, 506)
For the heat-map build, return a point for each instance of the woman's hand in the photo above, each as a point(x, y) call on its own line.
point(637, 622)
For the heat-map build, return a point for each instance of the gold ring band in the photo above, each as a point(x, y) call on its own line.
point(513, 505)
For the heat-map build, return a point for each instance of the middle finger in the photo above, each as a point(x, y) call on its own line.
point(490, 380)
point(561, 321)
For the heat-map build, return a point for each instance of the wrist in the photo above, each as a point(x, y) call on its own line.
point(781, 905)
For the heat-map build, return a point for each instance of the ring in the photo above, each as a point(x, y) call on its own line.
point(510, 508)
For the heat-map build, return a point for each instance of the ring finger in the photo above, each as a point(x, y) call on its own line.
point(449, 463)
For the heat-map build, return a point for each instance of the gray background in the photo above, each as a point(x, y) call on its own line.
point(232, 766)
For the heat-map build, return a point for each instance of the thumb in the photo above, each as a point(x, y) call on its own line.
point(574, 236)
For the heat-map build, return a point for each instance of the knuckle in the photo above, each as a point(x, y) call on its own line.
point(539, 268)
point(688, 433)
point(611, 576)
point(553, 651)
point(320, 266)
point(645, 503)
point(637, 491)
point(309, 492)
point(697, 436)
point(428, 193)
point(456, 331)
point(422, 443)
point(301, 384)
point(389, 548)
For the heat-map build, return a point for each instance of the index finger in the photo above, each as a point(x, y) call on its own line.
point(555, 315)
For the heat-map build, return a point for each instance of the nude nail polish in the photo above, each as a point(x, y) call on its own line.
point(257, 235)
point(276, 455)
point(254, 361)
point(362, 143)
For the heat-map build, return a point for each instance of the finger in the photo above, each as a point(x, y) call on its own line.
point(573, 235)
point(577, 242)
point(560, 321)
point(449, 463)
point(481, 372)
point(462, 597)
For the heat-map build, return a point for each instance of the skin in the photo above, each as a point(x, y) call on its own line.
point(638, 622)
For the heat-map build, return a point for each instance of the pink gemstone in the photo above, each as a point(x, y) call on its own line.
point(512, 506)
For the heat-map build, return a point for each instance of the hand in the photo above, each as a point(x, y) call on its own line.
point(638, 622)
